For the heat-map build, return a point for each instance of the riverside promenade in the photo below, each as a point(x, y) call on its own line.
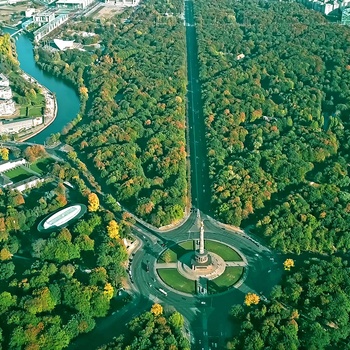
point(50, 112)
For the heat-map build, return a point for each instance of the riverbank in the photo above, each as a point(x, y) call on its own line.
point(67, 104)
point(50, 110)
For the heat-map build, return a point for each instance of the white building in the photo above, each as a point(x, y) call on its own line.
point(50, 26)
point(29, 12)
point(325, 6)
point(5, 93)
point(18, 125)
point(74, 4)
point(26, 184)
point(6, 166)
point(7, 107)
point(64, 44)
point(5, 181)
point(4, 82)
point(44, 17)
point(126, 3)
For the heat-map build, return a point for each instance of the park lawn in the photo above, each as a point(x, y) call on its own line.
point(39, 100)
point(35, 108)
point(35, 111)
point(18, 174)
point(227, 253)
point(41, 165)
point(188, 245)
point(230, 277)
point(172, 257)
point(23, 111)
point(175, 252)
point(175, 280)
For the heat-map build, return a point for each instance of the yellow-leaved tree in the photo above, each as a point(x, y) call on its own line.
point(251, 299)
point(5, 254)
point(157, 309)
point(108, 291)
point(93, 202)
point(288, 264)
point(84, 91)
point(4, 153)
point(113, 229)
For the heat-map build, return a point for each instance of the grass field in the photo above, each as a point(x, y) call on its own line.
point(231, 276)
point(227, 253)
point(35, 108)
point(176, 251)
point(41, 165)
point(173, 278)
point(18, 174)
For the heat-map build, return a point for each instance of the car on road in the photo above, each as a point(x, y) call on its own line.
point(203, 303)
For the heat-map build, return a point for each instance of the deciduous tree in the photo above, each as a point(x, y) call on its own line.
point(157, 309)
point(288, 264)
point(93, 202)
point(251, 299)
point(113, 229)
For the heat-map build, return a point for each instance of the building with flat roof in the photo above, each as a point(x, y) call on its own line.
point(4, 82)
point(5, 181)
point(29, 12)
point(7, 107)
point(74, 4)
point(17, 125)
point(27, 183)
point(50, 26)
point(62, 218)
point(44, 17)
point(8, 165)
point(5, 93)
point(326, 6)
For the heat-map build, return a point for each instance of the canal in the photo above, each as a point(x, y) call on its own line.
point(67, 99)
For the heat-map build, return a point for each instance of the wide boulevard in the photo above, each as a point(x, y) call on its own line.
point(207, 322)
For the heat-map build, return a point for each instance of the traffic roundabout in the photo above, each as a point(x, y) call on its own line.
point(190, 268)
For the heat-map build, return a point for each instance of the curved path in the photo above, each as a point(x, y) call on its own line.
point(207, 324)
point(206, 321)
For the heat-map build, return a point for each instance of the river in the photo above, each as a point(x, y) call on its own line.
point(67, 99)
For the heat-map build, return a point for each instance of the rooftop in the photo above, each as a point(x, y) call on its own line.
point(62, 217)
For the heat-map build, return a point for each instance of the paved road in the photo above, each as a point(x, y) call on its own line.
point(208, 323)
point(200, 188)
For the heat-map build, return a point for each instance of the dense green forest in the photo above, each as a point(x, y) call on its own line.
point(277, 120)
point(153, 330)
point(309, 310)
point(54, 285)
point(133, 131)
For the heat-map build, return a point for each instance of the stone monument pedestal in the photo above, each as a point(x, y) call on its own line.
point(201, 260)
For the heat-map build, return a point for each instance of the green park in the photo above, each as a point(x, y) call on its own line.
point(176, 267)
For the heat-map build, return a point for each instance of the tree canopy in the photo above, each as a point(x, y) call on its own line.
point(133, 131)
point(277, 120)
point(309, 310)
point(152, 330)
